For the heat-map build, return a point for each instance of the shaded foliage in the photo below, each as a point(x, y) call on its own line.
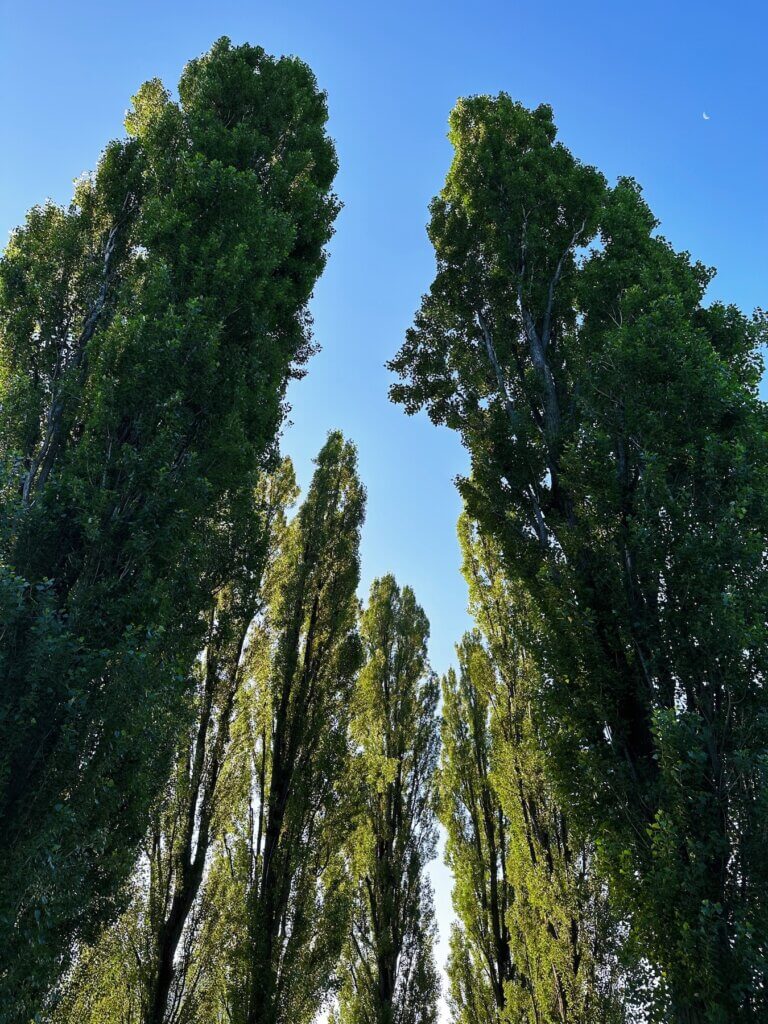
point(173, 901)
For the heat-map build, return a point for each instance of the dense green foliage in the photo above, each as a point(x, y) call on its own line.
point(619, 457)
point(536, 942)
point(389, 974)
point(149, 967)
point(147, 332)
point(241, 901)
point(220, 778)
point(286, 860)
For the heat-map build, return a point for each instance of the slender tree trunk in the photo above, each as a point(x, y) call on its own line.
point(167, 943)
point(190, 866)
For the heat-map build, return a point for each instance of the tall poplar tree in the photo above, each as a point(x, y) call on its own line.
point(389, 970)
point(147, 333)
point(280, 869)
point(536, 941)
point(618, 452)
point(147, 968)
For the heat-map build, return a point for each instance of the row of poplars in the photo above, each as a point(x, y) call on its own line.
point(285, 859)
point(605, 739)
point(283, 872)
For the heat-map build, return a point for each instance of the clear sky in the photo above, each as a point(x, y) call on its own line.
point(629, 83)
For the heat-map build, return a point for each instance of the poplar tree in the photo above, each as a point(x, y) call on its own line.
point(536, 940)
point(280, 869)
point(147, 333)
point(618, 452)
point(389, 974)
point(148, 967)
point(481, 964)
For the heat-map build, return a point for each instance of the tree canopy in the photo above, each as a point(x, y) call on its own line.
point(537, 938)
point(147, 333)
point(389, 974)
point(221, 771)
point(618, 452)
point(288, 894)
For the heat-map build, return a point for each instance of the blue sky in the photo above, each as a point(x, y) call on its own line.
point(629, 84)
